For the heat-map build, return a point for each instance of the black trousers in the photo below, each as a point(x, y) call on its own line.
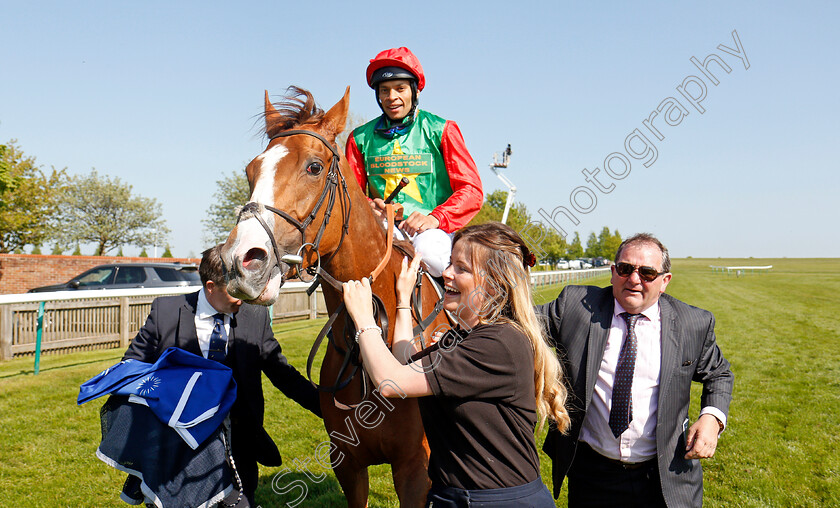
point(596, 481)
point(248, 471)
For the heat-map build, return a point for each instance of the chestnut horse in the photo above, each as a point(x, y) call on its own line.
point(306, 202)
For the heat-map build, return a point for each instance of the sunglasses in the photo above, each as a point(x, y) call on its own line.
point(646, 273)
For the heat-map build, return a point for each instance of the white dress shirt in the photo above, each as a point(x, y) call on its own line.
point(638, 442)
point(204, 323)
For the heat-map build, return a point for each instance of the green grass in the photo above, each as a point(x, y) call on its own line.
point(779, 330)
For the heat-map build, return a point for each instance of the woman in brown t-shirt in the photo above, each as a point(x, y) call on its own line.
point(485, 384)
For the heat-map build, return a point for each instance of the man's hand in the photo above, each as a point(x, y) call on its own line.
point(702, 438)
point(417, 223)
point(378, 207)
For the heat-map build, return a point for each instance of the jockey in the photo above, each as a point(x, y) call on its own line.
point(444, 191)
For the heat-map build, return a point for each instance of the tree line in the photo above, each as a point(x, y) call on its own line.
point(40, 207)
point(554, 245)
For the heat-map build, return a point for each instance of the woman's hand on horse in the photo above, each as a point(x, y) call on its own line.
point(358, 299)
point(407, 280)
point(418, 222)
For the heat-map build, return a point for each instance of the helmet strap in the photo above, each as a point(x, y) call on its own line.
point(414, 98)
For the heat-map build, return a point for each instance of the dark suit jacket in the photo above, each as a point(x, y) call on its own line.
point(578, 324)
point(252, 349)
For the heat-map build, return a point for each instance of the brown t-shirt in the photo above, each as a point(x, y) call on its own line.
point(480, 421)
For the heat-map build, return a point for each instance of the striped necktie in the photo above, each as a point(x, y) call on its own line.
point(621, 413)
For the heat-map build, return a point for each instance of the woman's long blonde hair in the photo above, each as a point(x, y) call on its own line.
point(500, 262)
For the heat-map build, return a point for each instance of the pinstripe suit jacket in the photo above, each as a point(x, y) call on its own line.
point(578, 323)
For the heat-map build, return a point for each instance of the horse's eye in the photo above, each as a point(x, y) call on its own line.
point(314, 168)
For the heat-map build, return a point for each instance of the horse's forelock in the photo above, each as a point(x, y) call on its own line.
point(296, 109)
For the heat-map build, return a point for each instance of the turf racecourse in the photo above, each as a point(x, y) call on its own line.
point(779, 330)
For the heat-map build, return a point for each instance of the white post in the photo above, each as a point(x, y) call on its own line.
point(495, 166)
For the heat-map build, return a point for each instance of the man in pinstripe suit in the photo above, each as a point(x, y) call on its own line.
point(642, 451)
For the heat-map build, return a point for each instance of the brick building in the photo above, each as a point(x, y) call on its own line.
point(22, 272)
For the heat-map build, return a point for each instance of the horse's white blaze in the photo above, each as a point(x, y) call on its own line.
point(264, 188)
point(250, 232)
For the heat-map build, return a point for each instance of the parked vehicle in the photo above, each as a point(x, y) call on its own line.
point(600, 261)
point(130, 275)
point(562, 265)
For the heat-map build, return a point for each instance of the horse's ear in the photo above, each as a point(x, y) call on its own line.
point(335, 119)
point(272, 116)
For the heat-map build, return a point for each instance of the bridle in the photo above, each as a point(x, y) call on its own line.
point(351, 362)
point(328, 196)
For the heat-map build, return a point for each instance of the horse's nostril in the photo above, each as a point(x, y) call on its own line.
point(253, 259)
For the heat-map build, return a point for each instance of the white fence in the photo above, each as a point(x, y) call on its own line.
point(103, 319)
point(566, 276)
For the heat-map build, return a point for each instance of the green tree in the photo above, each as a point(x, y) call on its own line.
point(120, 252)
point(604, 245)
point(593, 250)
point(143, 253)
point(57, 250)
point(78, 250)
point(167, 253)
point(575, 248)
point(102, 210)
point(232, 192)
point(26, 199)
point(554, 245)
point(36, 249)
point(609, 243)
point(494, 207)
point(5, 176)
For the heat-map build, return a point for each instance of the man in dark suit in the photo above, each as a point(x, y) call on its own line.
point(248, 348)
point(630, 353)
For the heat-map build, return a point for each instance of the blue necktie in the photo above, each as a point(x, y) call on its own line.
point(621, 413)
point(218, 339)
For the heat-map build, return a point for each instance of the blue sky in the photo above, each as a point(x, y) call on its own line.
point(165, 96)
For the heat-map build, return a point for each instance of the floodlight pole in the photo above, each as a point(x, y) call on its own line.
point(496, 166)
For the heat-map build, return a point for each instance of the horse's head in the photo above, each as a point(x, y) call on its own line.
point(298, 196)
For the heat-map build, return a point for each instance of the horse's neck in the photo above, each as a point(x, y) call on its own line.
point(363, 247)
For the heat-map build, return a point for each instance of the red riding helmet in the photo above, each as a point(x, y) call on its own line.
point(390, 63)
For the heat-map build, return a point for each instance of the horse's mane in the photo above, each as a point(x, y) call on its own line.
point(296, 109)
